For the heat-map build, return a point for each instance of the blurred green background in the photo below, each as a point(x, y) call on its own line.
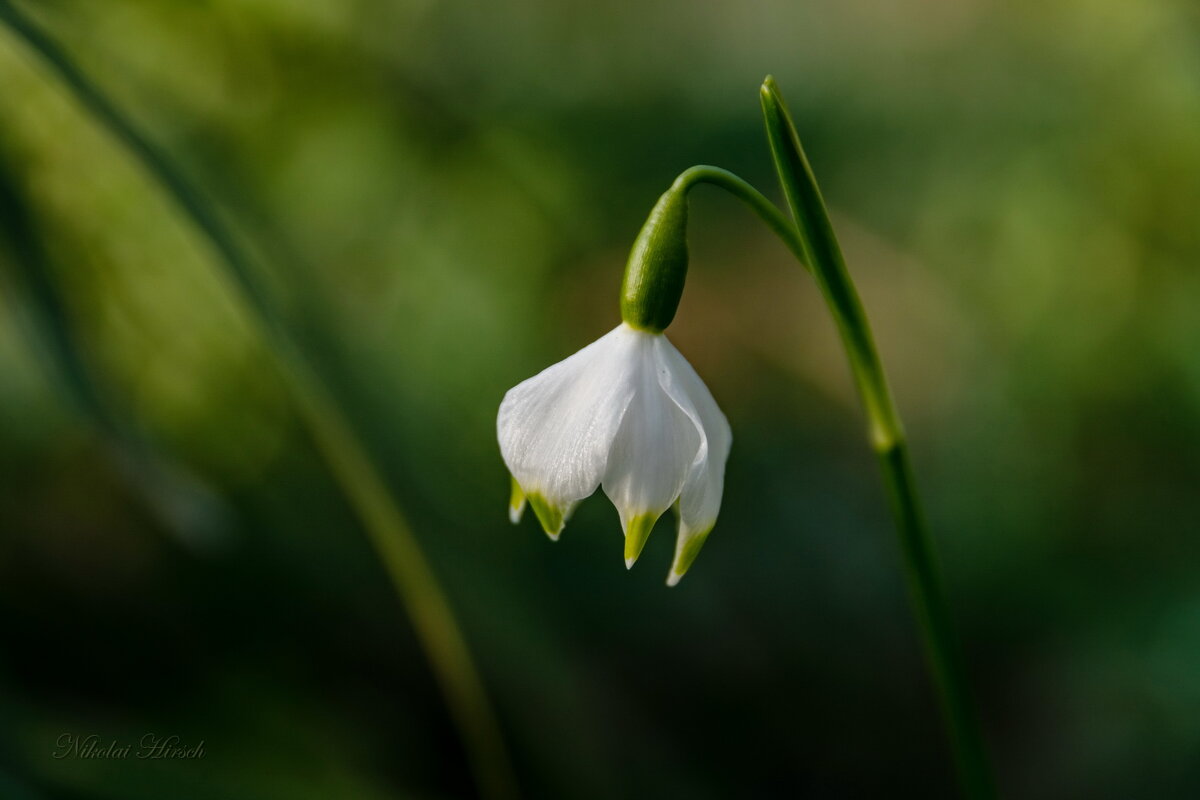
point(442, 196)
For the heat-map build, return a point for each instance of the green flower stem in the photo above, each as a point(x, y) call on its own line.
point(658, 262)
point(823, 255)
point(387, 529)
point(52, 323)
point(164, 488)
point(776, 221)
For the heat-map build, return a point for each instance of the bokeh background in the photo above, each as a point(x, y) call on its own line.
point(441, 195)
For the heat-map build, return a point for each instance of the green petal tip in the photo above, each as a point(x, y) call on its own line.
point(636, 534)
point(685, 554)
point(516, 503)
point(552, 517)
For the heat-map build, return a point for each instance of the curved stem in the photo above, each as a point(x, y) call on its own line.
point(410, 573)
point(776, 221)
point(824, 257)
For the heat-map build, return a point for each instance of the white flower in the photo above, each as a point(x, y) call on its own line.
point(629, 413)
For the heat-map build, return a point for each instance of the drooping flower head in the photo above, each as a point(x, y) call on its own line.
point(626, 413)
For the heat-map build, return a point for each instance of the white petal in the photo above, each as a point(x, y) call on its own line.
point(556, 429)
point(700, 499)
point(652, 451)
